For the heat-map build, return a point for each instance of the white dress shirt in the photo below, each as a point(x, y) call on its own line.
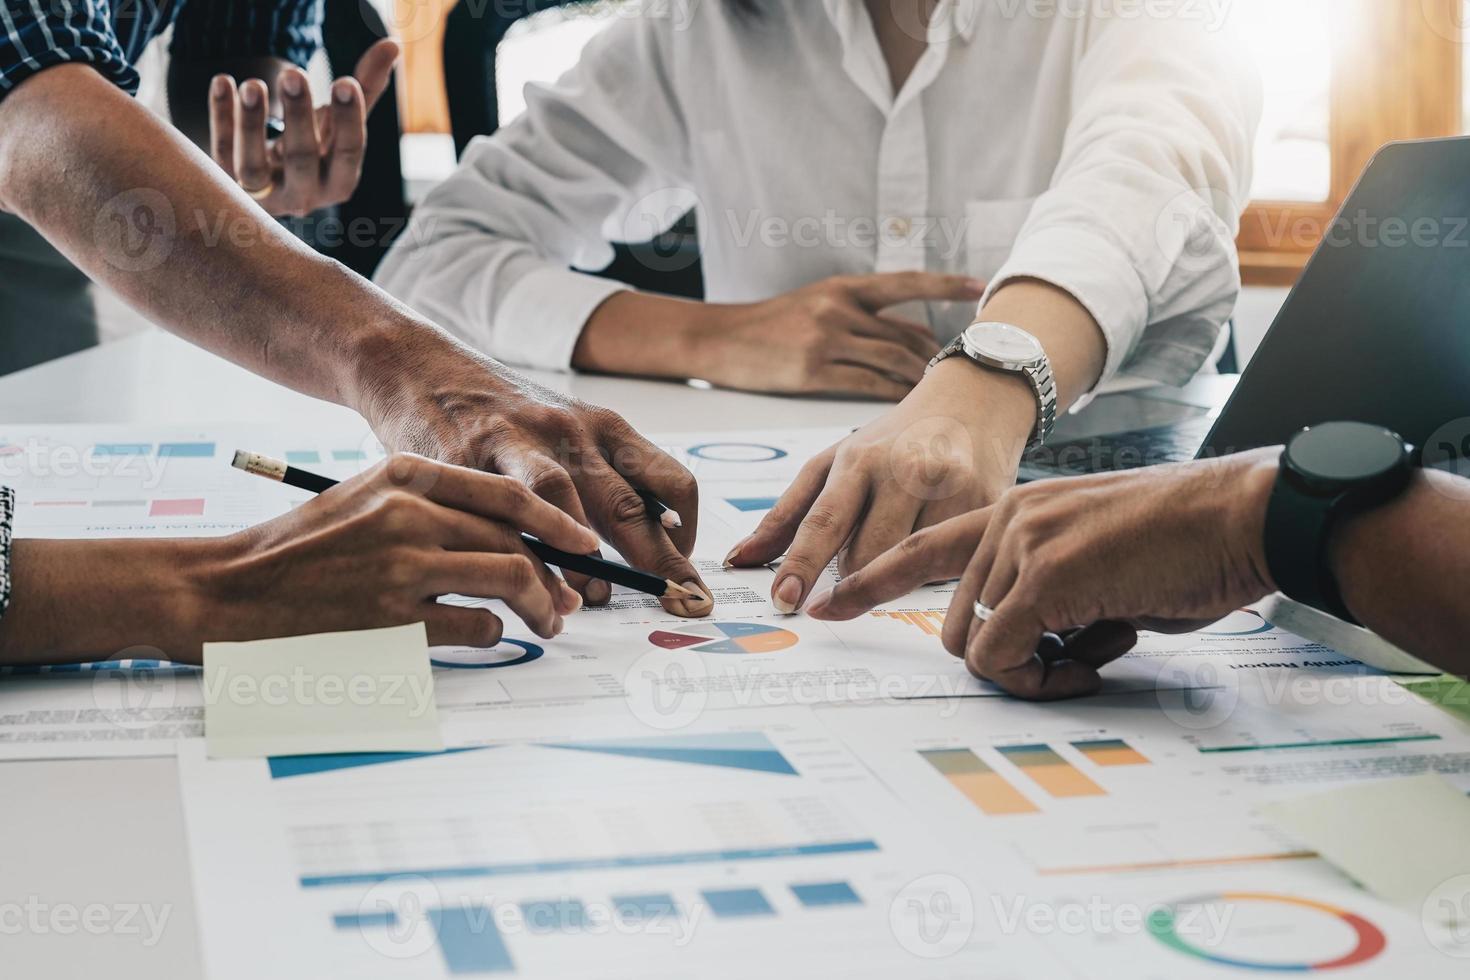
point(1106, 152)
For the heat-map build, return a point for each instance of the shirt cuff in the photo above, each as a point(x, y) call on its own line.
point(538, 322)
point(1097, 273)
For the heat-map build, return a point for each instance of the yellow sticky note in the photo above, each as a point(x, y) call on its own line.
point(368, 691)
point(1406, 840)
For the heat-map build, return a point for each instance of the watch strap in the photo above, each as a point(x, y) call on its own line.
point(1298, 533)
point(1045, 386)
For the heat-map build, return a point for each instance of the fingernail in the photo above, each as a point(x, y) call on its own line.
point(598, 591)
point(730, 558)
point(557, 625)
point(250, 96)
point(704, 598)
point(342, 91)
point(787, 595)
point(291, 83)
point(220, 87)
point(819, 605)
point(671, 520)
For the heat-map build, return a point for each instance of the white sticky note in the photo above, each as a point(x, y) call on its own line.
point(1403, 839)
point(367, 691)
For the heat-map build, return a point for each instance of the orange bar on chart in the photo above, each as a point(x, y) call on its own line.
point(1052, 773)
point(1111, 752)
point(929, 621)
point(982, 785)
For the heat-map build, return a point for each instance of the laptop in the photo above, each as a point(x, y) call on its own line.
point(1377, 330)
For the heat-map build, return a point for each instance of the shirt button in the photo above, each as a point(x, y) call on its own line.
point(900, 227)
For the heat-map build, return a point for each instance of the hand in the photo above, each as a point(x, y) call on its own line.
point(318, 160)
point(1094, 558)
point(952, 446)
point(451, 403)
point(378, 550)
point(830, 338)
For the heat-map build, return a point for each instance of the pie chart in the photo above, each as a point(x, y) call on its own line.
point(725, 638)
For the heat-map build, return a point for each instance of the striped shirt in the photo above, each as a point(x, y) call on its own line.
point(110, 35)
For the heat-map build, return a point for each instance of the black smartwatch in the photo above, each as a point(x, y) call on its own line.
point(1328, 473)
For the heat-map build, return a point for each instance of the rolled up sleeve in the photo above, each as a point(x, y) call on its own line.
point(489, 253)
point(41, 34)
point(1140, 217)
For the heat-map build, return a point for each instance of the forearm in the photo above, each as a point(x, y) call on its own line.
point(1402, 570)
point(200, 258)
point(75, 601)
point(648, 335)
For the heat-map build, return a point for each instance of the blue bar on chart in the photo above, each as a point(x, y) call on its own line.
point(565, 866)
point(728, 903)
point(348, 455)
point(826, 893)
point(186, 450)
point(554, 915)
point(470, 940)
point(303, 457)
point(751, 505)
point(634, 909)
point(122, 449)
point(365, 920)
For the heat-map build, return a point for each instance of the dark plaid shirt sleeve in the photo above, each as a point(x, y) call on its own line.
point(209, 30)
point(37, 34)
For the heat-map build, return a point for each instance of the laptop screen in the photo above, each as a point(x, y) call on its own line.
point(1378, 328)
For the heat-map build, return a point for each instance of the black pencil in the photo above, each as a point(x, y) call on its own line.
point(589, 565)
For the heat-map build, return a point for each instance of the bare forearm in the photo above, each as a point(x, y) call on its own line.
point(142, 211)
point(1403, 568)
point(76, 601)
point(642, 334)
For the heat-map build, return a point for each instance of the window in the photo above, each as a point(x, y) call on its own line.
point(1342, 77)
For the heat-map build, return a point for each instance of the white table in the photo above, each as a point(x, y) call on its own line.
point(111, 831)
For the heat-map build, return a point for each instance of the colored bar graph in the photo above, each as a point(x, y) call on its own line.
point(555, 915)
point(1111, 752)
point(114, 504)
point(930, 621)
point(826, 893)
point(186, 450)
point(348, 455)
point(641, 908)
point(177, 508)
point(733, 903)
point(980, 784)
point(122, 449)
point(59, 503)
point(303, 457)
point(470, 941)
point(1050, 771)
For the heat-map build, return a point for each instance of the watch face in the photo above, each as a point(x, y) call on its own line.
point(1003, 343)
point(1345, 452)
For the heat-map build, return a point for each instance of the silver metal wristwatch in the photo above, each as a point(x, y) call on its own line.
point(1002, 347)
